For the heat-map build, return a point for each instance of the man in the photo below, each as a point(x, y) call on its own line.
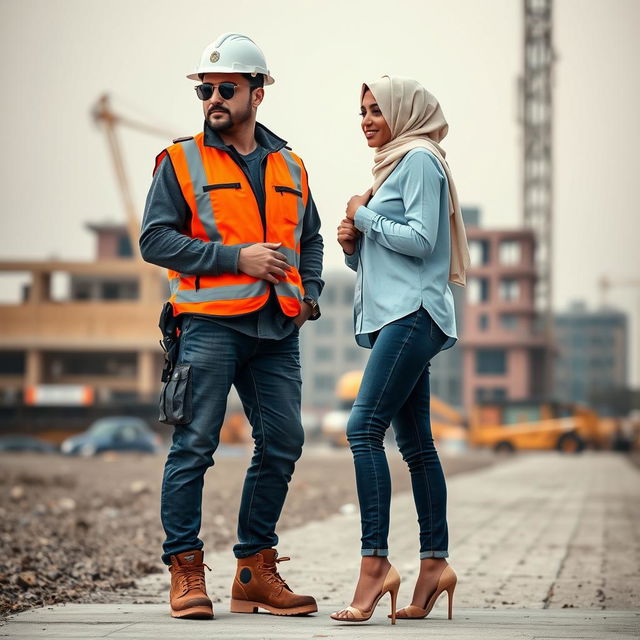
point(230, 215)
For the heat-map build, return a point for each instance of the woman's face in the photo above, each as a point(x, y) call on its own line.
point(375, 127)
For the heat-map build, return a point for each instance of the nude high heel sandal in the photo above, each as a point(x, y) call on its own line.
point(446, 582)
point(391, 584)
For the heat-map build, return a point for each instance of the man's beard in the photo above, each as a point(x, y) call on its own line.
point(230, 121)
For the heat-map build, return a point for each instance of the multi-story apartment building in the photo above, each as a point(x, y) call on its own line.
point(445, 375)
point(328, 347)
point(505, 353)
point(97, 342)
point(592, 352)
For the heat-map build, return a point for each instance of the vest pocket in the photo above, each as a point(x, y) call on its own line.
point(282, 189)
point(224, 185)
point(175, 397)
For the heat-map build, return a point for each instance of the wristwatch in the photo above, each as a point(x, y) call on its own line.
point(315, 307)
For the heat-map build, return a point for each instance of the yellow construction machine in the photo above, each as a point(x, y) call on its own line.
point(503, 426)
point(447, 424)
point(521, 425)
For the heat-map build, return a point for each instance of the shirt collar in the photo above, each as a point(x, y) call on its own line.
point(265, 138)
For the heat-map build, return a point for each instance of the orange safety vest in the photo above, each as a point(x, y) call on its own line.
point(224, 209)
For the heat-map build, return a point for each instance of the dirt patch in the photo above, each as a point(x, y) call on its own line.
point(77, 529)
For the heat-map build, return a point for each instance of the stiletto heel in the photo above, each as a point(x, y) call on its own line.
point(391, 585)
point(394, 598)
point(446, 582)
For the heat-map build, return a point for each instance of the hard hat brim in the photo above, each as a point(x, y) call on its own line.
point(268, 79)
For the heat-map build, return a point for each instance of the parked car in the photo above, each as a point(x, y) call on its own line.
point(119, 433)
point(18, 442)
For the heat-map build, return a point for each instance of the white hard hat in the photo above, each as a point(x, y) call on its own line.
point(232, 53)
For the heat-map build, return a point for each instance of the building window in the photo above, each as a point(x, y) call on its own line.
point(325, 326)
point(483, 321)
point(124, 247)
point(348, 325)
point(578, 340)
point(484, 394)
point(454, 389)
point(499, 393)
point(479, 252)
point(351, 354)
point(122, 290)
point(478, 290)
point(509, 290)
point(324, 382)
point(510, 252)
point(328, 295)
point(324, 354)
point(491, 361)
point(481, 394)
point(348, 295)
point(82, 291)
point(60, 364)
point(509, 321)
point(13, 363)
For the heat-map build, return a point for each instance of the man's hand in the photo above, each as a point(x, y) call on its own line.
point(304, 315)
point(347, 236)
point(262, 261)
point(357, 201)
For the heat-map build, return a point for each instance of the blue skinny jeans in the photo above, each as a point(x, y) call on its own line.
point(266, 374)
point(395, 388)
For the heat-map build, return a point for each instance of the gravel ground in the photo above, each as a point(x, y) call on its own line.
point(77, 529)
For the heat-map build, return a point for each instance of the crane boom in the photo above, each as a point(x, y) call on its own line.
point(103, 114)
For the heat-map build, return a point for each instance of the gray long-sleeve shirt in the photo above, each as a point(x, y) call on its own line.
point(163, 241)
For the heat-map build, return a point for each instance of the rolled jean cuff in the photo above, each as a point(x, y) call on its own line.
point(434, 554)
point(374, 552)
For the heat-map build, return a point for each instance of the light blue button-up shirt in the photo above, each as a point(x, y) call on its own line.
point(402, 258)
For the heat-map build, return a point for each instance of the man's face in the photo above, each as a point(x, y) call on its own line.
point(222, 114)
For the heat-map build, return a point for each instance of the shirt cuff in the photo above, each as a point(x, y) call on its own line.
point(311, 289)
point(228, 258)
point(351, 260)
point(364, 218)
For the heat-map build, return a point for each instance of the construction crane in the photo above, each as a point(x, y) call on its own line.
point(104, 115)
point(536, 118)
point(606, 283)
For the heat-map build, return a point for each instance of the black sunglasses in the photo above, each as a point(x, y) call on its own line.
point(226, 90)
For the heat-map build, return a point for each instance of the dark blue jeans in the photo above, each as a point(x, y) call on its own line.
point(395, 387)
point(266, 374)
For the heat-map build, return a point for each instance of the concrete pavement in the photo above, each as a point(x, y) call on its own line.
point(545, 546)
point(135, 622)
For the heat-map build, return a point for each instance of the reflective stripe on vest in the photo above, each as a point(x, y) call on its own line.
point(224, 209)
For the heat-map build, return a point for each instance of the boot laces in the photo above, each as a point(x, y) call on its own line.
point(270, 573)
point(192, 577)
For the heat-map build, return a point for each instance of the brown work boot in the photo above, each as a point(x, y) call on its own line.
point(258, 584)
point(188, 595)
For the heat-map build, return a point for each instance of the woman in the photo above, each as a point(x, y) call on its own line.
point(405, 238)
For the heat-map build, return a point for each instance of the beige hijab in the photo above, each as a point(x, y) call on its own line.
point(416, 120)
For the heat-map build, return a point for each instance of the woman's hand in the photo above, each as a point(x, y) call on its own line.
point(357, 201)
point(347, 236)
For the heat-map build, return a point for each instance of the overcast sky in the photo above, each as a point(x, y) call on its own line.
point(58, 56)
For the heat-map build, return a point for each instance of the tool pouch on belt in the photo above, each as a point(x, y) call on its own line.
point(175, 394)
